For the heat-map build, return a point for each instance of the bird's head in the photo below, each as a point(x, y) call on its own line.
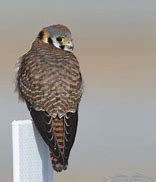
point(58, 36)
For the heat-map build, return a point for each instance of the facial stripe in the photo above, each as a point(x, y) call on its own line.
point(40, 35)
point(49, 40)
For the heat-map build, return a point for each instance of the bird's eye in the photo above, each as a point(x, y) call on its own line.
point(59, 39)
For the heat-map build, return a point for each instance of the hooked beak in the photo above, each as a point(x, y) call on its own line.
point(70, 47)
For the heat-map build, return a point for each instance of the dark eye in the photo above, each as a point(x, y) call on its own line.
point(59, 39)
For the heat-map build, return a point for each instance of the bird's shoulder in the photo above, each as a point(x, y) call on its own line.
point(46, 55)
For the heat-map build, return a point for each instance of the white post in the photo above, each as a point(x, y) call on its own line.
point(31, 160)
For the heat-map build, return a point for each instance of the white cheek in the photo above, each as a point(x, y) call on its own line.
point(55, 43)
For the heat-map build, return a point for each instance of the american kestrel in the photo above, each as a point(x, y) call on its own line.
point(50, 82)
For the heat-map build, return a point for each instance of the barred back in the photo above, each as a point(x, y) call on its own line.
point(50, 79)
point(50, 82)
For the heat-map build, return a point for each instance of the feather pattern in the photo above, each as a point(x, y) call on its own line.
point(50, 82)
point(50, 79)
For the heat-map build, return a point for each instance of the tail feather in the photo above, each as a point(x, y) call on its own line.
point(58, 133)
point(57, 165)
point(58, 128)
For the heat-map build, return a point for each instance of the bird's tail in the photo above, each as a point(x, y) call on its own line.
point(58, 165)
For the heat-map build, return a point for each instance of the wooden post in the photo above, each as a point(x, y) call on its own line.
point(31, 160)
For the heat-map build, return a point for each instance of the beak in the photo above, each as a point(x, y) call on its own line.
point(71, 47)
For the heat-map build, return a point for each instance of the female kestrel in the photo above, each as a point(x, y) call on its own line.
point(49, 81)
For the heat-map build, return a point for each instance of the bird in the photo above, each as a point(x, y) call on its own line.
point(50, 82)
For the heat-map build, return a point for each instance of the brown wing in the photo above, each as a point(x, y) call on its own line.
point(43, 122)
point(51, 84)
point(50, 81)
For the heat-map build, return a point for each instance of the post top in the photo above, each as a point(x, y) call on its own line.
point(21, 122)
